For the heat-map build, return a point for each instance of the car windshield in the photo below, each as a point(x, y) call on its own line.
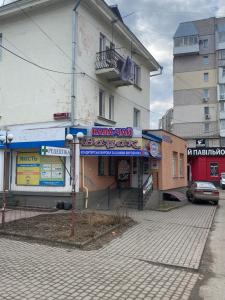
point(223, 176)
point(205, 185)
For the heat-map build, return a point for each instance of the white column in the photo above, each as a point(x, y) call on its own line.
point(77, 166)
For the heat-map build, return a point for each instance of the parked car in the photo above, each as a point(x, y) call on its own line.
point(222, 180)
point(203, 191)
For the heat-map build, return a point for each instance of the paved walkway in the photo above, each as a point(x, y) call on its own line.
point(156, 259)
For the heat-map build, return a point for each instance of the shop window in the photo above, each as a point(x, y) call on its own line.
point(101, 166)
point(214, 169)
point(174, 169)
point(181, 165)
point(32, 169)
point(112, 166)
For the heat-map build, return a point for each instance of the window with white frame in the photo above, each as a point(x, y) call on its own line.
point(181, 165)
point(206, 110)
point(102, 43)
point(137, 75)
point(205, 59)
point(101, 103)
point(221, 54)
point(111, 107)
point(222, 124)
point(221, 37)
point(185, 41)
point(222, 91)
point(174, 163)
point(222, 106)
point(223, 71)
point(206, 77)
point(204, 43)
point(206, 93)
point(206, 127)
point(136, 117)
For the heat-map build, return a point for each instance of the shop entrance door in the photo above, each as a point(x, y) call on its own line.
point(123, 172)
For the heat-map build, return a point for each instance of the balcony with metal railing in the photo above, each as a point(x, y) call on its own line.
point(111, 66)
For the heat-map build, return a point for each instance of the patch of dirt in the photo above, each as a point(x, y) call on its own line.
point(92, 230)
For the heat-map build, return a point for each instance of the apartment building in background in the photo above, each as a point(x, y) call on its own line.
point(199, 95)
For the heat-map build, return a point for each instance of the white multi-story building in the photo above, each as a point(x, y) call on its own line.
point(66, 64)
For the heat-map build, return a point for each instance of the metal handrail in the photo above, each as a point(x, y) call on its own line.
point(109, 59)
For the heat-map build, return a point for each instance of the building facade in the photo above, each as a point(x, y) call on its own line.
point(199, 85)
point(65, 67)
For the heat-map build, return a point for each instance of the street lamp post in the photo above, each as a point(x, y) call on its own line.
point(74, 141)
point(5, 139)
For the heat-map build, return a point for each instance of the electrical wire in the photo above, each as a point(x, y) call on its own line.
point(37, 65)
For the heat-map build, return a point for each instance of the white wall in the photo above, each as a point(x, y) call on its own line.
point(31, 95)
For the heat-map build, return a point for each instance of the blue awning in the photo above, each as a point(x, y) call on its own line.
point(37, 144)
point(151, 137)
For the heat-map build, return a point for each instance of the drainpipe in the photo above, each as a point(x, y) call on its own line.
point(83, 186)
point(160, 72)
point(73, 67)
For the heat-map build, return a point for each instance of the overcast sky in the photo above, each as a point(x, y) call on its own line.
point(155, 22)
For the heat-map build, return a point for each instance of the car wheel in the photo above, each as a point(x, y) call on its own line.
point(192, 199)
point(215, 202)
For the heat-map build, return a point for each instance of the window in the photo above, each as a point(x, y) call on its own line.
point(136, 120)
point(205, 93)
point(221, 36)
point(101, 166)
point(111, 107)
point(112, 166)
point(102, 43)
point(221, 54)
point(223, 71)
point(214, 169)
point(222, 106)
point(181, 165)
point(137, 75)
point(206, 77)
point(206, 127)
point(101, 103)
point(204, 44)
point(222, 124)
point(206, 110)
point(185, 41)
point(222, 142)
point(205, 59)
point(174, 167)
point(222, 91)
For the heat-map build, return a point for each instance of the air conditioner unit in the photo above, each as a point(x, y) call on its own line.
point(207, 116)
point(205, 99)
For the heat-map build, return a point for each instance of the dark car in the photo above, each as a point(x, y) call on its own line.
point(203, 191)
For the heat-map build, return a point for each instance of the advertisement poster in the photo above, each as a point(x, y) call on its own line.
point(28, 169)
point(35, 170)
point(51, 171)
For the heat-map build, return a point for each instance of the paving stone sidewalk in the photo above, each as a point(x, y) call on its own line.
point(148, 262)
point(175, 238)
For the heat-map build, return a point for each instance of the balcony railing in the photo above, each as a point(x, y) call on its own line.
point(109, 59)
point(113, 67)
